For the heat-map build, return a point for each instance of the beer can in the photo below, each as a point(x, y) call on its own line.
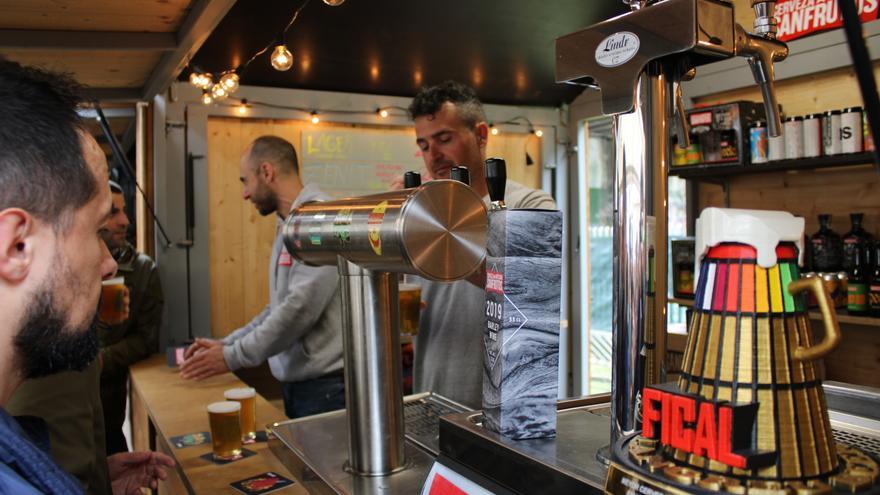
point(775, 148)
point(831, 132)
point(851, 130)
point(813, 135)
point(794, 137)
point(758, 142)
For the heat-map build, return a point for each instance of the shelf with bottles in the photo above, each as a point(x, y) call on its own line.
point(709, 171)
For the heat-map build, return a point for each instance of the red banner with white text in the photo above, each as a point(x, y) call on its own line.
point(799, 18)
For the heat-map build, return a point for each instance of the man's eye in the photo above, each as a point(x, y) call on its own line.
point(103, 230)
point(423, 146)
point(445, 138)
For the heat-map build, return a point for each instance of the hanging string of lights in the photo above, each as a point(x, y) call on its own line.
point(281, 59)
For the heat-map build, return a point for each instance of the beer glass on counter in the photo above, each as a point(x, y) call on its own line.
point(247, 397)
point(410, 305)
point(114, 308)
point(225, 429)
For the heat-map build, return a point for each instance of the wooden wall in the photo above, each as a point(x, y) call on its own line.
point(240, 241)
point(837, 191)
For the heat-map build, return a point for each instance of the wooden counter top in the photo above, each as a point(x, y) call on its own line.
point(164, 405)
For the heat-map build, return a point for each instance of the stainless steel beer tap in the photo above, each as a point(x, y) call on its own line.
point(637, 60)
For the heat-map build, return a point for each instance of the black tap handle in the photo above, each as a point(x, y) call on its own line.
point(412, 179)
point(460, 174)
point(496, 178)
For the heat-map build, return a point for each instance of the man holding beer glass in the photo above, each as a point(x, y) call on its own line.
point(54, 203)
point(133, 334)
point(300, 331)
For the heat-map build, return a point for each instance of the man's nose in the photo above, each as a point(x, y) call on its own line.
point(108, 264)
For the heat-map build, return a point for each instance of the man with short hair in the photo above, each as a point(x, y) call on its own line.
point(300, 331)
point(135, 338)
point(53, 207)
point(451, 130)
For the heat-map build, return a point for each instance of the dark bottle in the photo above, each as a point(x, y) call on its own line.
point(857, 285)
point(856, 239)
point(874, 288)
point(826, 247)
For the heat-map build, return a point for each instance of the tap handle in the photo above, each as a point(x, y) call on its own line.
point(763, 73)
point(496, 178)
point(682, 131)
point(412, 179)
point(460, 174)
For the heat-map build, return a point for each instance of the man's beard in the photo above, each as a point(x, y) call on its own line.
point(265, 201)
point(46, 344)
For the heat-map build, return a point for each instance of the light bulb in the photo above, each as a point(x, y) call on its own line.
point(229, 81)
point(195, 79)
point(242, 109)
point(203, 80)
point(334, 3)
point(219, 92)
point(383, 113)
point(282, 59)
point(206, 97)
point(315, 118)
point(539, 132)
point(494, 131)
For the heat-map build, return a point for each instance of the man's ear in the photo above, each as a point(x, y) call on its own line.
point(482, 131)
point(16, 244)
point(267, 170)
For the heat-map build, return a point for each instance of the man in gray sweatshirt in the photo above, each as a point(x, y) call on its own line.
point(300, 331)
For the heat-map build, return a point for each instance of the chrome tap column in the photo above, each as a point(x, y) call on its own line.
point(436, 231)
point(639, 274)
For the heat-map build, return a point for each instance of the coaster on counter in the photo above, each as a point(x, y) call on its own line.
point(191, 439)
point(210, 457)
point(261, 483)
point(262, 436)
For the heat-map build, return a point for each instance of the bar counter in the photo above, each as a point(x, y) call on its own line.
point(163, 406)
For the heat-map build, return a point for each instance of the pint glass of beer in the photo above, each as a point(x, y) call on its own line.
point(225, 429)
point(247, 397)
point(410, 305)
point(113, 310)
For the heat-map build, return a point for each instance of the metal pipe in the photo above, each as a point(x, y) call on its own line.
point(373, 393)
point(639, 227)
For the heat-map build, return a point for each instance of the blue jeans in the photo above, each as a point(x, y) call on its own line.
point(326, 393)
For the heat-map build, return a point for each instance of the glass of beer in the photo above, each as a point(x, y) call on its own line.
point(113, 310)
point(225, 429)
point(247, 397)
point(410, 305)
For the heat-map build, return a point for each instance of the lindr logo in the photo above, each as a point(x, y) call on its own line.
point(617, 49)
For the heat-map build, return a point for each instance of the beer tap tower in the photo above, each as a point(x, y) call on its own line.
point(637, 61)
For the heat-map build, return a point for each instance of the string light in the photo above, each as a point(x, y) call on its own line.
point(382, 112)
point(229, 81)
point(201, 80)
point(206, 97)
point(334, 3)
point(243, 107)
point(282, 59)
point(493, 129)
point(219, 92)
point(539, 133)
point(315, 118)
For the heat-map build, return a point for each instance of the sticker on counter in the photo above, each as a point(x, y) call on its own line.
point(617, 49)
point(374, 227)
point(342, 226)
point(261, 483)
point(191, 439)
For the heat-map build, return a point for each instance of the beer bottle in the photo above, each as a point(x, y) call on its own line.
point(826, 247)
point(856, 239)
point(874, 289)
point(857, 286)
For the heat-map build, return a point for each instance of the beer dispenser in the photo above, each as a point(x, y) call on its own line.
point(437, 231)
point(637, 61)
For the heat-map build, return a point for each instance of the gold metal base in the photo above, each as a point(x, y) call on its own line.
point(639, 468)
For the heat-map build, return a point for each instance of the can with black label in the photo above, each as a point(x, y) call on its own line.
point(831, 132)
point(851, 130)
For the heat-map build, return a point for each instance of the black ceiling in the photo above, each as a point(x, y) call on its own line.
point(504, 48)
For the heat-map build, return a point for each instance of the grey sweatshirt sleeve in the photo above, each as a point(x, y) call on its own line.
point(254, 323)
point(309, 292)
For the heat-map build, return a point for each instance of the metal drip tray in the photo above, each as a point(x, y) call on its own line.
point(315, 449)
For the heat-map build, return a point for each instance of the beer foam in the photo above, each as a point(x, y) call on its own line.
point(113, 281)
point(240, 393)
point(224, 407)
